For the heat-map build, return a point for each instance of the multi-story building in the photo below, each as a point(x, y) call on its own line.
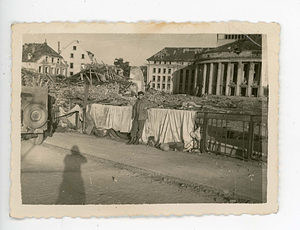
point(234, 69)
point(76, 57)
point(41, 58)
point(172, 69)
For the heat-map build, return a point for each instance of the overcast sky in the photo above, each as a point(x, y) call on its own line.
point(135, 48)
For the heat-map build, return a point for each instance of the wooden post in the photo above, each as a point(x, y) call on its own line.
point(86, 95)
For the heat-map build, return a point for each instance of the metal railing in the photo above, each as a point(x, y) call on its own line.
point(235, 135)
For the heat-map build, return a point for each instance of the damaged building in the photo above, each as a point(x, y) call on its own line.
point(41, 58)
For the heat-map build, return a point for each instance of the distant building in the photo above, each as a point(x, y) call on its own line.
point(76, 57)
point(41, 58)
point(223, 39)
point(234, 69)
point(172, 69)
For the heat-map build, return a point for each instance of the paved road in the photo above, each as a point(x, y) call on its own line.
point(51, 175)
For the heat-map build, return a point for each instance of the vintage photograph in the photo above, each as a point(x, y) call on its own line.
point(144, 118)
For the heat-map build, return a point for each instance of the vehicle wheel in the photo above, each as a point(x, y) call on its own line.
point(35, 116)
point(38, 140)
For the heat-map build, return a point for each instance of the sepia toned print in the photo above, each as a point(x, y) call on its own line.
point(144, 119)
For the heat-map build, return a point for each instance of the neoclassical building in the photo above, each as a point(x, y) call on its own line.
point(172, 69)
point(234, 69)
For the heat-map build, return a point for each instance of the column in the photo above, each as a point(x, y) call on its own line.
point(250, 81)
point(189, 82)
point(210, 78)
point(228, 78)
point(195, 79)
point(219, 78)
point(261, 89)
point(183, 82)
point(204, 78)
point(239, 78)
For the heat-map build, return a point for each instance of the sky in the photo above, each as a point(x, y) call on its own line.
point(135, 48)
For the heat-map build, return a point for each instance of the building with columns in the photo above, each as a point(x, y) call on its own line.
point(172, 69)
point(234, 69)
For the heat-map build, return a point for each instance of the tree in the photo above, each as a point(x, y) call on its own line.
point(119, 63)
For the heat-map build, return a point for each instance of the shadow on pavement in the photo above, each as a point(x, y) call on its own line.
point(71, 190)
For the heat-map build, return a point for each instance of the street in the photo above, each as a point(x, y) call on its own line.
point(72, 168)
point(54, 176)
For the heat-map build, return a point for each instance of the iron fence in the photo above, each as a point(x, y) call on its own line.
point(235, 135)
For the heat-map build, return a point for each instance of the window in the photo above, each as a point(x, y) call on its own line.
point(74, 47)
point(154, 70)
point(169, 71)
point(164, 70)
point(158, 86)
point(52, 60)
point(71, 55)
point(57, 71)
point(82, 56)
point(57, 60)
point(46, 69)
point(40, 69)
point(158, 78)
point(187, 72)
point(158, 70)
point(153, 85)
point(71, 65)
point(164, 78)
point(71, 73)
point(169, 78)
point(46, 58)
point(163, 86)
point(168, 87)
point(153, 78)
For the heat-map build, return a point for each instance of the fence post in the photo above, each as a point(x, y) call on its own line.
point(204, 136)
point(251, 138)
point(77, 120)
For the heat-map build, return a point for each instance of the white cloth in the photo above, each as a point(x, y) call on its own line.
point(168, 125)
point(111, 117)
point(71, 118)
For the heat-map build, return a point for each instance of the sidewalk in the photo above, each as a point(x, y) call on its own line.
point(226, 175)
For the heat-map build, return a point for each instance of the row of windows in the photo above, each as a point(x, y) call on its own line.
point(235, 36)
point(162, 62)
point(164, 70)
point(72, 65)
point(163, 86)
point(47, 70)
point(163, 78)
point(72, 55)
point(52, 60)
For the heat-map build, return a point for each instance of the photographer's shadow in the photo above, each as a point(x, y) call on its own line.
point(72, 189)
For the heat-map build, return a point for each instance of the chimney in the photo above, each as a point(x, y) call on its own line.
point(45, 41)
point(58, 48)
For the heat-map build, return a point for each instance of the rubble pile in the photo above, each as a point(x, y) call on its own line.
point(109, 88)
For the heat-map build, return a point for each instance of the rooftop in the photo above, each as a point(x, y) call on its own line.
point(177, 54)
point(252, 43)
point(37, 50)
